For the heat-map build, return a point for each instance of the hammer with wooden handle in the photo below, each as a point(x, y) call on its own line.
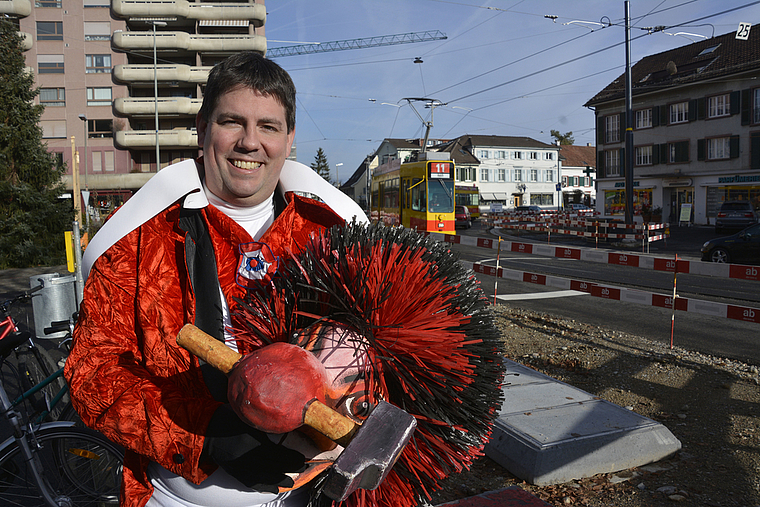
point(280, 387)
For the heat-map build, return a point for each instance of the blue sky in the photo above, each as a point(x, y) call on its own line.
point(504, 69)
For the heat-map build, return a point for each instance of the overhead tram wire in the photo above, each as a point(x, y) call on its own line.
point(578, 58)
point(510, 63)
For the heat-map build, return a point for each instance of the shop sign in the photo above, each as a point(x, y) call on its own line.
point(621, 184)
point(677, 183)
point(739, 179)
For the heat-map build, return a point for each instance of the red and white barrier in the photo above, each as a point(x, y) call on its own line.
point(736, 271)
point(714, 309)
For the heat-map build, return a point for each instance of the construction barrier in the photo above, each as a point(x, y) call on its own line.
point(743, 313)
point(577, 225)
point(735, 271)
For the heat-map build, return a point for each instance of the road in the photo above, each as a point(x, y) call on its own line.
point(717, 336)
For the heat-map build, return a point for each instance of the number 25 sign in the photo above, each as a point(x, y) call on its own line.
point(742, 33)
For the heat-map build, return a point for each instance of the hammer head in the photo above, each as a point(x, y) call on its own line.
point(369, 457)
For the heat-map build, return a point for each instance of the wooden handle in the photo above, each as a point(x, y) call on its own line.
point(330, 423)
point(319, 416)
point(208, 348)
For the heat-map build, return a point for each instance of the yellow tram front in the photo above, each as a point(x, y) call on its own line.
point(428, 189)
point(418, 194)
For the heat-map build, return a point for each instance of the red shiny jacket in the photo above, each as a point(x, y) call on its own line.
point(128, 377)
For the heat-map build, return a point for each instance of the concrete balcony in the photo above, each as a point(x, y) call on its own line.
point(146, 139)
point(20, 8)
point(131, 74)
point(135, 41)
point(125, 9)
point(146, 106)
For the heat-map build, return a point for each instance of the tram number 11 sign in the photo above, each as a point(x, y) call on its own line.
point(440, 170)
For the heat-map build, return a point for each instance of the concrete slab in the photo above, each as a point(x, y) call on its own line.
point(508, 497)
point(549, 432)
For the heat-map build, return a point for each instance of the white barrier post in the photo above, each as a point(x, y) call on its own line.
point(673, 303)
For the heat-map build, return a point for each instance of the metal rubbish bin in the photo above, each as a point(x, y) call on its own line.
point(54, 302)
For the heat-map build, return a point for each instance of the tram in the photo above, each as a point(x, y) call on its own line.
point(417, 194)
point(469, 197)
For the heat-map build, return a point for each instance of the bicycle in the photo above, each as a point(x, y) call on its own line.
point(34, 363)
point(52, 464)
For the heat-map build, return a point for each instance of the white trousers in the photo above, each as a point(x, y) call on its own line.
point(219, 489)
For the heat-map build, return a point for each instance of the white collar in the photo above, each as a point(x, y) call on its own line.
point(180, 180)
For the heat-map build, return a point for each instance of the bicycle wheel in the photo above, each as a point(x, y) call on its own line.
point(80, 467)
point(33, 369)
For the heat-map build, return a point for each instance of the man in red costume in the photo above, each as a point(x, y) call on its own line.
point(179, 252)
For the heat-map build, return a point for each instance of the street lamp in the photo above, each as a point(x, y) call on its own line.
point(155, 87)
point(337, 175)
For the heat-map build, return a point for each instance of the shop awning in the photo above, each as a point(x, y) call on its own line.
point(487, 197)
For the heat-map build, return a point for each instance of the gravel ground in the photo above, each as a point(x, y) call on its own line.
point(711, 404)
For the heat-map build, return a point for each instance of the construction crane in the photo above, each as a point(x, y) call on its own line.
point(369, 42)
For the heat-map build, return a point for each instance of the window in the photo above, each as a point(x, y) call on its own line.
point(718, 106)
point(98, 64)
point(97, 3)
point(500, 154)
point(549, 176)
point(518, 175)
point(502, 174)
point(709, 50)
point(612, 128)
point(50, 64)
point(48, 3)
point(534, 175)
point(718, 148)
point(644, 118)
point(612, 162)
point(97, 30)
point(548, 155)
point(678, 152)
point(533, 155)
point(53, 129)
point(679, 113)
point(756, 105)
point(517, 155)
point(49, 30)
point(109, 156)
point(541, 199)
point(483, 174)
point(643, 155)
point(99, 128)
point(99, 96)
point(466, 173)
point(482, 154)
point(52, 97)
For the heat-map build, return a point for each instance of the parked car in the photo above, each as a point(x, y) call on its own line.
point(742, 247)
point(735, 215)
point(462, 217)
point(528, 210)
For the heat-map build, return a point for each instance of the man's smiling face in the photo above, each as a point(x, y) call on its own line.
point(245, 143)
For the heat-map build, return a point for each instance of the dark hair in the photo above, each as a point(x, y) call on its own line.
point(251, 70)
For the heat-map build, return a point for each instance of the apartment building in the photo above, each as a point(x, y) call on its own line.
point(578, 174)
point(511, 171)
point(105, 68)
point(696, 130)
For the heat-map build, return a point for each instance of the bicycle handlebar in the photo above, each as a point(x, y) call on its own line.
point(58, 326)
point(21, 297)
